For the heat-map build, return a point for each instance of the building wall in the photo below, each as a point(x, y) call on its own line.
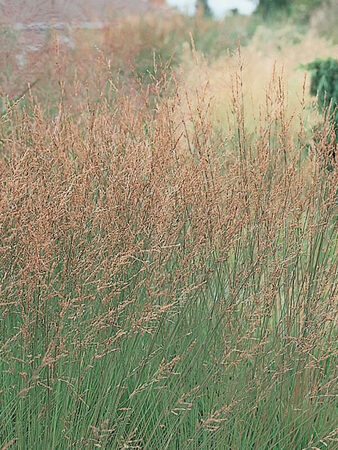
point(29, 11)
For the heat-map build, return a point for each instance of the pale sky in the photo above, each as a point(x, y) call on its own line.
point(219, 7)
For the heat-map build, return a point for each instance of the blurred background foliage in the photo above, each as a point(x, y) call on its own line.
point(135, 46)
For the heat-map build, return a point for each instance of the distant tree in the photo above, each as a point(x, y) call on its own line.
point(268, 8)
point(203, 5)
point(303, 9)
point(300, 9)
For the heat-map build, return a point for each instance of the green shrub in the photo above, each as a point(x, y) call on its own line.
point(324, 85)
point(324, 82)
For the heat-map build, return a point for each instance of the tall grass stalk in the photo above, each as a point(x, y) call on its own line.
point(163, 287)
